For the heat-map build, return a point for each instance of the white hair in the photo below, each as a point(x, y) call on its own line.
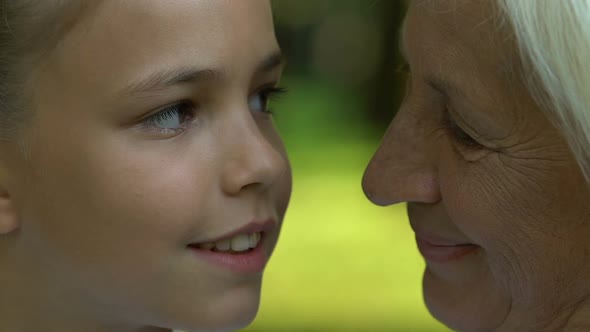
point(554, 40)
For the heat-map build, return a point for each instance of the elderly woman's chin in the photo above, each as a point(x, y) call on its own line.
point(463, 305)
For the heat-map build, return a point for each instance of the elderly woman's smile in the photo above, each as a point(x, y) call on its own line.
point(442, 249)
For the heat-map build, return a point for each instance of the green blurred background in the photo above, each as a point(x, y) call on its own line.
point(341, 264)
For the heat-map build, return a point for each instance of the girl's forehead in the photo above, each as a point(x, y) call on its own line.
point(126, 39)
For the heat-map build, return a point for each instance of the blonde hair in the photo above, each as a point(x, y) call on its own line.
point(29, 29)
point(554, 40)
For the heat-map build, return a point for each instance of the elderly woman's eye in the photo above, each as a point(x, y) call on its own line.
point(458, 134)
point(172, 119)
point(259, 101)
point(403, 68)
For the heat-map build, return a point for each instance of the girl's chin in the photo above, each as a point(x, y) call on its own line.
point(232, 313)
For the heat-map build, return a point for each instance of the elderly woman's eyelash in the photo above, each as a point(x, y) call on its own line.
point(404, 71)
point(403, 68)
point(457, 133)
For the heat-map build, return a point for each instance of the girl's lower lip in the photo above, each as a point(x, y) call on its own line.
point(444, 253)
point(248, 262)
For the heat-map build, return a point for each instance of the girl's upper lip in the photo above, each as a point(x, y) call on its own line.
point(256, 226)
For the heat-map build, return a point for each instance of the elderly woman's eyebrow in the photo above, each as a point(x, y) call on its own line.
point(437, 82)
point(167, 78)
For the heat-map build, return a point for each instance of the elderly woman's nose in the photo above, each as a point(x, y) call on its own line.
point(403, 169)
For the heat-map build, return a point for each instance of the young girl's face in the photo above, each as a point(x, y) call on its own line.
point(151, 143)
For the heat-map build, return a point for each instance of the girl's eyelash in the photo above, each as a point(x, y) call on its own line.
point(457, 132)
point(165, 114)
point(271, 93)
point(276, 91)
point(184, 110)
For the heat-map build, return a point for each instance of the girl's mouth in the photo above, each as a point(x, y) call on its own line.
point(238, 244)
point(242, 254)
point(242, 251)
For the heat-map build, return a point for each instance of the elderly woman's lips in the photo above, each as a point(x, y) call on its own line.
point(442, 253)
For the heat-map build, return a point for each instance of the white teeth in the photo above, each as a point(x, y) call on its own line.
point(224, 245)
point(257, 236)
point(240, 243)
point(207, 246)
point(252, 240)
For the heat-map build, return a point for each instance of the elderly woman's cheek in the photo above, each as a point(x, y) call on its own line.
point(520, 204)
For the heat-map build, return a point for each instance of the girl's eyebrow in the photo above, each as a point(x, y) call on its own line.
point(270, 63)
point(165, 79)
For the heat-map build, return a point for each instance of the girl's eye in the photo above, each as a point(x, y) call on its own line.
point(172, 119)
point(259, 101)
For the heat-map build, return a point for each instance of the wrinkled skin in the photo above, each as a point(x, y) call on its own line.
point(495, 173)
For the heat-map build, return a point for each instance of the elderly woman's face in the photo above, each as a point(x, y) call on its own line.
point(494, 195)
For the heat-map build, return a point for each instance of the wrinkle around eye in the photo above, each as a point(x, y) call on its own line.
point(526, 172)
point(538, 149)
point(487, 141)
point(472, 155)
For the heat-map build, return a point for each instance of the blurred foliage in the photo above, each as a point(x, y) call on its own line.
point(341, 264)
point(352, 44)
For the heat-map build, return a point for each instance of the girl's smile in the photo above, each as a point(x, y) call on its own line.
point(154, 185)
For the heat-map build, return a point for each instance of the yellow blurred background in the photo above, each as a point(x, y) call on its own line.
point(341, 264)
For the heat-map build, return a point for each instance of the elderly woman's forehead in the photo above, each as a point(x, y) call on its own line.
point(459, 26)
point(459, 18)
point(469, 8)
